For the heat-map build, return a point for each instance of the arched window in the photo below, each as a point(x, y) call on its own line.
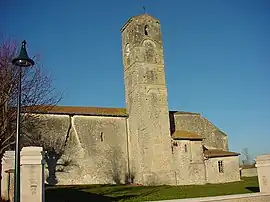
point(146, 29)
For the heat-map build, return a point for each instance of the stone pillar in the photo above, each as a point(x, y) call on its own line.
point(263, 169)
point(11, 184)
point(7, 165)
point(32, 174)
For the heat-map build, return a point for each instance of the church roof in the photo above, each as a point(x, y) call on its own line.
point(183, 112)
point(212, 153)
point(77, 110)
point(74, 110)
point(185, 135)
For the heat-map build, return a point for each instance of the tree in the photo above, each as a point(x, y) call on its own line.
point(246, 158)
point(36, 91)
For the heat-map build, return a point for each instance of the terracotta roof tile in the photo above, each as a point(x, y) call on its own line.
point(212, 153)
point(95, 111)
point(76, 110)
point(185, 135)
point(186, 113)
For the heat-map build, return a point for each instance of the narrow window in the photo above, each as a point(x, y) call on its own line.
point(220, 167)
point(101, 136)
point(146, 30)
point(185, 147)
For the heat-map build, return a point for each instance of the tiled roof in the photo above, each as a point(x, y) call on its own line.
point(71, 110)
point(212, 153)
point(75, 110)
point(182, 112)
point(185, 135)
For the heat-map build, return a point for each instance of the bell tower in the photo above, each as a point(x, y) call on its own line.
point(146, 100)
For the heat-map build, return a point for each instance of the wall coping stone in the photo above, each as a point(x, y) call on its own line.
point(264, 165)
point(31, 156)
point(8, 155)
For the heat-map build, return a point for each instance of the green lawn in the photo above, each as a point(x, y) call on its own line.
point(87, 193)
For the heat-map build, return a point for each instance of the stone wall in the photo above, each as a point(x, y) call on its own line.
point(7, 175)
point(188, 161)
point(230, 169)
point(248, 172)
point(95, 148)
point(146, 99)
point(98, 150)
point(263, 169)
point(193, 122)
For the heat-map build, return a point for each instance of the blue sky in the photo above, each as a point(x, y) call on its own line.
point(217, 55)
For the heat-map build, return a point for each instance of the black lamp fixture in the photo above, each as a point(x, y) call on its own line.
point(22, 60)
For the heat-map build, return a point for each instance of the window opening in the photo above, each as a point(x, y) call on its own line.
point(101, 136)
point(220, 167)
point(146, 30)
point(185, 147)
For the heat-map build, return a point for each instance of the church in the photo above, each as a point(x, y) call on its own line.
point(144, 143)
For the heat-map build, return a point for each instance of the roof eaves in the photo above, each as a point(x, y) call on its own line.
point(213, 153)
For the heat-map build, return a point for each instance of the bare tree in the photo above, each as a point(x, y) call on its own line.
point(246, 159)
point(37, 92)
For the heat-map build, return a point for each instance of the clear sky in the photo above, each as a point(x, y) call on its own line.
point(217, 55)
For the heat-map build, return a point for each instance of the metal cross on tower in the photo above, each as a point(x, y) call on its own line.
point(144, 9)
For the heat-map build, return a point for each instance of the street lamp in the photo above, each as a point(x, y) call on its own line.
point(21, 61)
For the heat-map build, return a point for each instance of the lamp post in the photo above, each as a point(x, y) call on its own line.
point(22, 60)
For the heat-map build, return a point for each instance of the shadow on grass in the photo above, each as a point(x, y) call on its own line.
point(75, 194)
point(253, 189)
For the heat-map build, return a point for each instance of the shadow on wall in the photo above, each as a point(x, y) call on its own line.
point(117, 172)
point(51, 159)
point(51, 134)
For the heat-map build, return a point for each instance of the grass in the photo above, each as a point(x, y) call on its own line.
point(129, 193)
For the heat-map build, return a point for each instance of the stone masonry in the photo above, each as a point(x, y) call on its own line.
point(230, 173)
point(146, 100)
point(31, 178)
point(263, 168)
point(7, 174)
point(32, 175)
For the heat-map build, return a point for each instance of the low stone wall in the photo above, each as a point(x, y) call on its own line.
point(255, 197)
point(248, 172)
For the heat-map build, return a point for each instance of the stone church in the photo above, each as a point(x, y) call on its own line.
point(144, 143)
